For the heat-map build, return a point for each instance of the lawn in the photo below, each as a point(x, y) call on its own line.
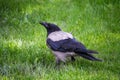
point(23, 51)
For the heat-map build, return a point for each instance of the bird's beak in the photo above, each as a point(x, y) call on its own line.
point(44, 24)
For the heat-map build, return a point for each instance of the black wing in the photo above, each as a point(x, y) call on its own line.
point(66, 45)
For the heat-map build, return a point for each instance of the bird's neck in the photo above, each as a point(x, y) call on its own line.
point(49, 32)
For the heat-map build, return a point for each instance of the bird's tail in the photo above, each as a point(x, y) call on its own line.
point(89, 57)
point(92, 52)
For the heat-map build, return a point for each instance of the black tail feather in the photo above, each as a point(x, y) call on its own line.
point(89, 57)
point(92, 52)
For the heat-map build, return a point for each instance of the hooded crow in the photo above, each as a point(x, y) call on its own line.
point(64, 45)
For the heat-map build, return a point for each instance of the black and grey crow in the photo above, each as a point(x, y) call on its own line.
point(64, 45)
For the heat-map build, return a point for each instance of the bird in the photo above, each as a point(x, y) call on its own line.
point(64, 44)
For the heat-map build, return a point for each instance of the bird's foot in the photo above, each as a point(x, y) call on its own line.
point(72, 59)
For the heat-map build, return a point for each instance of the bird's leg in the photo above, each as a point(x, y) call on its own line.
point(57, 62)
point(72, 58)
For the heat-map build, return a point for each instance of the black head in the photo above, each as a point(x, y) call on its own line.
point(50, 27)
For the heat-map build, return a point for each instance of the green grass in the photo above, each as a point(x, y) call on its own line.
point(23, 51)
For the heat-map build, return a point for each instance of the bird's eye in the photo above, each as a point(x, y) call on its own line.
point(49, 24)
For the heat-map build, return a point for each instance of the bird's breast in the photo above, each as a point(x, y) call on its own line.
point(64, 54)
point(59, 35)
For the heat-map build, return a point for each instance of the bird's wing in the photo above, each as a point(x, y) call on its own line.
point(66, 45)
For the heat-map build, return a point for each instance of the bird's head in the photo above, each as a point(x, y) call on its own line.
point(50, 27)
